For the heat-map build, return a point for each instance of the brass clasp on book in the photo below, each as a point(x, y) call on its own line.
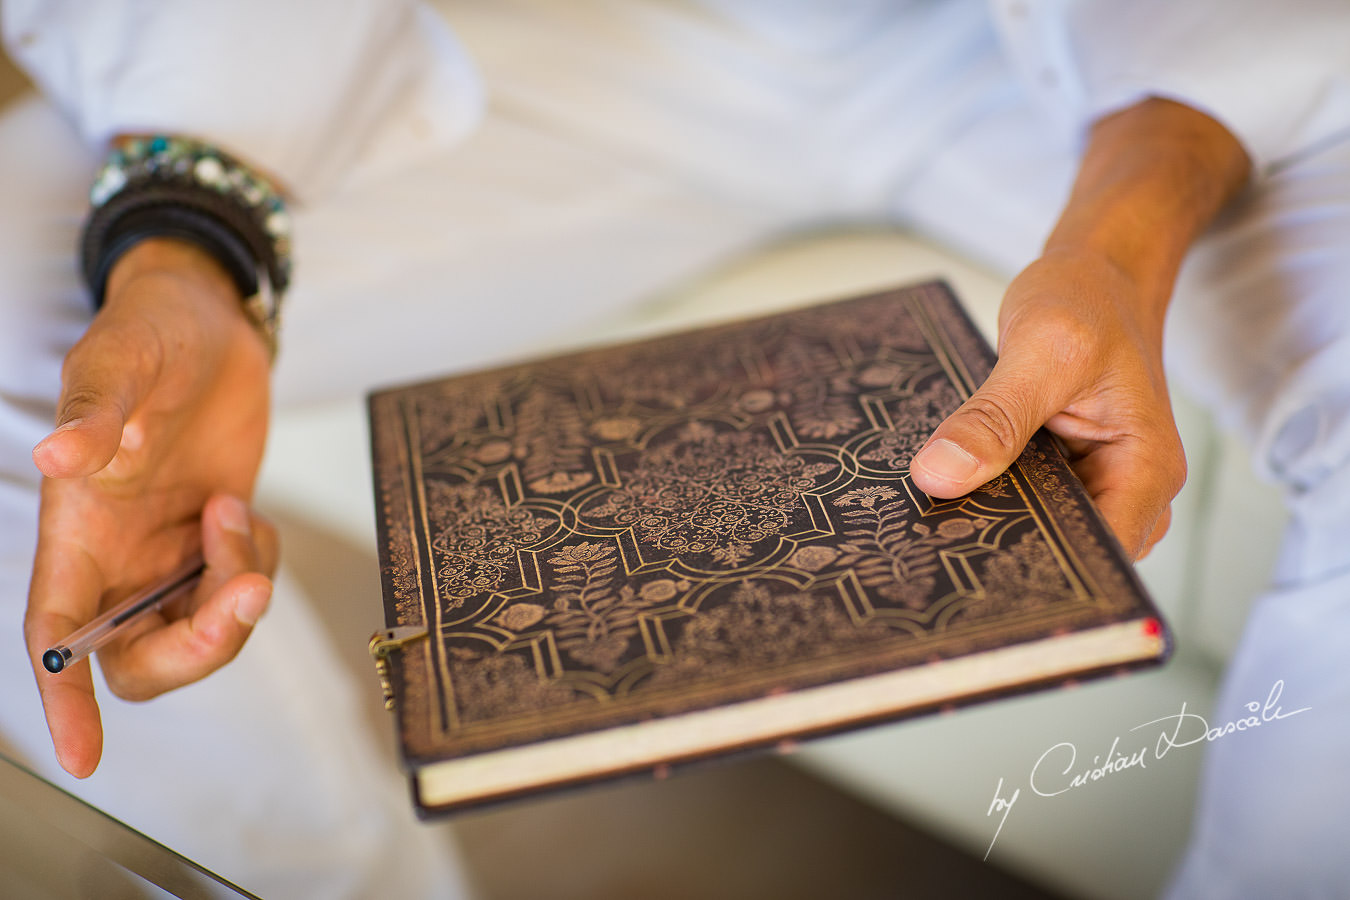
point(385, 642)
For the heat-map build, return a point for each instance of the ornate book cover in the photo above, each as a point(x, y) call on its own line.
point(645, 554)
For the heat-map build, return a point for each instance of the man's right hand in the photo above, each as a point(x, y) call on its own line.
point(160, 433)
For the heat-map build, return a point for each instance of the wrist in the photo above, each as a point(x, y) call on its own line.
point(1152, 179)
point(1082, 298)
point(1112, 297)
point(169, 256)
point(179, 262)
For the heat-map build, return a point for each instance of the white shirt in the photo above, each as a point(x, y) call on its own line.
point(316, 93)
point(322, 94)
point(1277, 75)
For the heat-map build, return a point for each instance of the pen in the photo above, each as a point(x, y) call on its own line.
point(116, 620)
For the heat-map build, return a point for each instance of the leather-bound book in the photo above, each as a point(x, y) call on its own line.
point(624, 559)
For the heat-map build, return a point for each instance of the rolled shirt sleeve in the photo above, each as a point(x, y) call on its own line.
point(1277, 75)
point(320, 94)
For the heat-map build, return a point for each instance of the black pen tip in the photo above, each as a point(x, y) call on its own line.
point(54, 661)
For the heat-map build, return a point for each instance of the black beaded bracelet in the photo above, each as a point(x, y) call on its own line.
point(191, 191)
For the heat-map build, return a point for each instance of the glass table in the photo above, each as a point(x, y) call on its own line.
point(54, 845)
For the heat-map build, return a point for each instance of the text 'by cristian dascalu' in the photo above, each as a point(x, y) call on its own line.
point(1059, 769)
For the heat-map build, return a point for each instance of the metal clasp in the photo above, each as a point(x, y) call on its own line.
point(383, 643)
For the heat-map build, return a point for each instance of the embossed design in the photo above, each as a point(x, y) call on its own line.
point(520, 616)
point(1024, 576)
point(823, 402)
point(888, 321)
point(594, 618)
point(913, 417)
point(476, 547)
point(551, 438)
point(813, 559)
point(490, 684)
point(997, 487)
point(616, 428)
point(891, 552)
point(759, 626)
point(448, 417)
point(710, 491)
point(660, 374)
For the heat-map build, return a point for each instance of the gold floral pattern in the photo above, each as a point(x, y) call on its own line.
point(489, 684)
point(594, 617)
point(892, 553)
point(823, 400)
point(914, 417)
point(789, 626)
point(476, 548)
point(551, 439)
point(710, 492)
point(1025, 576)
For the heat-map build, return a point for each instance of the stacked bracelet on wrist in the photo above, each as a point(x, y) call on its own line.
point(180, 188)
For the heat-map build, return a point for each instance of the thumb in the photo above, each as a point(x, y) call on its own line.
point(989, 431)
point(100, 388)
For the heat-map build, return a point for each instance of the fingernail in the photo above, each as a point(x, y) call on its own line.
point(233, 515)
point(249, 607)
point(947, 461)
point(65, 426)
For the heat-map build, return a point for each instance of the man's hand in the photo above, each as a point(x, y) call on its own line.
point(1081, 328)
point(162, 420)
point(1074, 358)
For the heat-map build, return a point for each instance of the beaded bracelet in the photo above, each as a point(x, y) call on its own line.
point(162, 186)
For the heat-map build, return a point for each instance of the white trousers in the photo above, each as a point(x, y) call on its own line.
point(267, 771)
